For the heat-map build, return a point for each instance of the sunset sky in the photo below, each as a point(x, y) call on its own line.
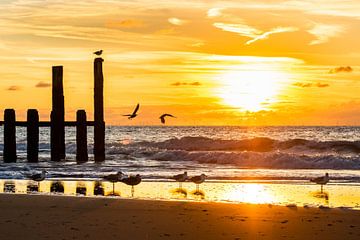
point(207, 62)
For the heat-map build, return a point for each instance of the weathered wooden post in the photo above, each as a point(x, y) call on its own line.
point(9, 136)
point(32, 135)
point(81, 136)
point(99, 124)
point(57, 115)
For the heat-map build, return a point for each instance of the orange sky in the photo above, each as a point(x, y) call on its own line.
point(207, 62)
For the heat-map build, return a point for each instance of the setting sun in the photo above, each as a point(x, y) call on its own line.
point(253, 90)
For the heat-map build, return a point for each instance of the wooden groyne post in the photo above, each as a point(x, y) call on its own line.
point(57, 123)
point(9, 136)
point(99, 127)
point(81, 136)
point(57, 115)
point(32, 135)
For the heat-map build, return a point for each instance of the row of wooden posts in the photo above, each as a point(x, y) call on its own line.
point(57, 124)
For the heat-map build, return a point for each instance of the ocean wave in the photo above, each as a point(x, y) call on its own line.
point(260, 144)
point(275, 160)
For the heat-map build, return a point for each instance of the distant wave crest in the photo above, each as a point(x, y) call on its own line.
point(255, 145)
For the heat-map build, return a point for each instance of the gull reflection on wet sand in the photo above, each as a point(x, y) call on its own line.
point(298, 193)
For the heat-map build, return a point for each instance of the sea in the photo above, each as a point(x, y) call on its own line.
point(229, 153)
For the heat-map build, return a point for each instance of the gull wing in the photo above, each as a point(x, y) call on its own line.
point(136, 109)
point(167, 115)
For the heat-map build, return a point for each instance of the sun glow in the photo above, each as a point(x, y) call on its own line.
point(251, 90)
point(250, 193)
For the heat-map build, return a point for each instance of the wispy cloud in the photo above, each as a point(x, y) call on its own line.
point(42, 84)
point(13, 88)
point(128, 23)
point(341, 69)
point(323, 32)
point(176, 21)
point(186, 84)
point(251, 32)
point(308, 85)
point(214, 12)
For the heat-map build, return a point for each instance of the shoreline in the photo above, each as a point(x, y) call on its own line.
point(60, 217)
point(333, 196)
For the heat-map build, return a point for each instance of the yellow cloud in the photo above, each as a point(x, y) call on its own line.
point(251, 32)
point(214, 12)
point(176, 21)
point(323, 32)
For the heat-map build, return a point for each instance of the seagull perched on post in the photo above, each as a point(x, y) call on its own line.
point(133, 115)
point(38, 177)
point(198, 180)
point(132, 181)
point(98, 53)
point(162, 117)
point(180, 178)
point(113, 178)
point(321, 180)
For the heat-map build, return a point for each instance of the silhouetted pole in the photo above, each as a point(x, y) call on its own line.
point(9, 136)
point(57, 115)
point(81, 136)
point(32, 135)
point(99, 127)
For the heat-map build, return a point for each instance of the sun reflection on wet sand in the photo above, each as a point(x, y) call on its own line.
point(335, 195)
point(250, 193)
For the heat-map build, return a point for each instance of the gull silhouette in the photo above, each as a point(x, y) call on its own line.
point(133, 115)
point(114, 178)
point(321, 180)
point(162, 117)
point(180, 178)
point(38, 177)
point(132, 181)
point(98, 52)
point(198, 180)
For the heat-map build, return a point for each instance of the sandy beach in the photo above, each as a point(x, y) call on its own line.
point(60, 217)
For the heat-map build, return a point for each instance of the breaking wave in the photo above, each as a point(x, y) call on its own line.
point(255, 145)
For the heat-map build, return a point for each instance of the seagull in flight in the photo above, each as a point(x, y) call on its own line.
point(133, 115)
point(98, 52)
point(162, 117)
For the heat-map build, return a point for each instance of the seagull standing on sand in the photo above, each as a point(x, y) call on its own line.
point(113, 178)
point(133, 115)
point(180, 178)
point(321, 180)
point(98, 53)
point(198, 180)
point(162, 117)
point(132, 181)
point(38, 177)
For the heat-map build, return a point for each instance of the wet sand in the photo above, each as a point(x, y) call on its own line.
point(60, 217)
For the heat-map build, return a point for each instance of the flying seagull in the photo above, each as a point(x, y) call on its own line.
point(321, 180)
point(180, 178)
point(162, 117)
point(198, 180)
point(132, 181)
point(98, 52)
point(133, 115)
